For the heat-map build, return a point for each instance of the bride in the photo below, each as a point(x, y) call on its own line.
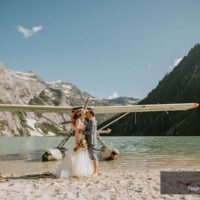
point(76, 161)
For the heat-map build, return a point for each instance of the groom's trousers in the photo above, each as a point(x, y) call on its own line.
point(92, 152)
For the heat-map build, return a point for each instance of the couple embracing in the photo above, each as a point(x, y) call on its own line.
point(81, 159)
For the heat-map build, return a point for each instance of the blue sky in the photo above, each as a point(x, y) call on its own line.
point(102, 46)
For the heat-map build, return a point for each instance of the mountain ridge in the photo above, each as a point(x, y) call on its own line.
point(181, 85)
point(29, 88)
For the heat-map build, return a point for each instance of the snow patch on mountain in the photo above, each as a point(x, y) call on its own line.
point(33, 131)
point(114, 95)
point(51, 133)
point(69, 87)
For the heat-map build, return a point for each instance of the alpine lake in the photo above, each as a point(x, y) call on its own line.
point(23, 154)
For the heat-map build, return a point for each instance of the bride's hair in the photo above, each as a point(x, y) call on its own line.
point(80, 113)
point(91, 112)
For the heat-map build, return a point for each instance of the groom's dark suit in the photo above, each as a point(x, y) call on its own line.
point(91, 137)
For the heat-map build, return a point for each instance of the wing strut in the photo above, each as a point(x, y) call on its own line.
point(51, 121)
point(99, 138)
point(62, 143)
point(114, 121)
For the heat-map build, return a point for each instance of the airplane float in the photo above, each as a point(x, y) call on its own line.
point(106, 152)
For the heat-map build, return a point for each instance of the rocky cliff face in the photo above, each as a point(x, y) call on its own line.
point(18, 87)
point(29, 88)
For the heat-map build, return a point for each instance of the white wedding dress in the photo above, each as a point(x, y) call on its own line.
point(75, 163)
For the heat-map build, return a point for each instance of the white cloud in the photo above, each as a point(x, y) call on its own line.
point(29, 32)
point(176, 62)
point(113, 95)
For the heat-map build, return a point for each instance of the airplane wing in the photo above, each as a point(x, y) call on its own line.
point(101, 109)
point(145, 108)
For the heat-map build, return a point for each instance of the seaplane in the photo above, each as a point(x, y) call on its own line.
point(106, 152)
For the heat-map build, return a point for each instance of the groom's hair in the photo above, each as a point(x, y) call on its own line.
point(92, 113)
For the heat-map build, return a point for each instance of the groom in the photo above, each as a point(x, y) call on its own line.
point(90, 133)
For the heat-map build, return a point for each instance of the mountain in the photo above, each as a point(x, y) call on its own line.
point(18, 87)
point(29, 88)
point(179, 86)
point(182, 85)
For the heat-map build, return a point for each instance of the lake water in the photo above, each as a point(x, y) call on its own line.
point(23, 154)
